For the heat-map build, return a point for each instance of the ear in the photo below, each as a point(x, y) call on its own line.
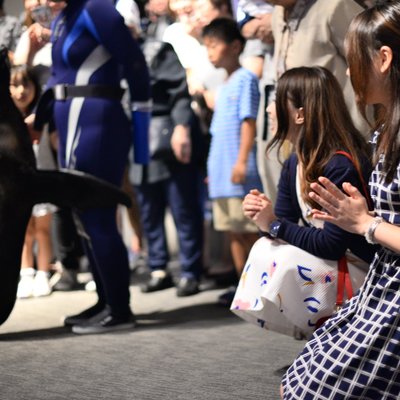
point(237, 46)
point(299, 118)
point(385, 59)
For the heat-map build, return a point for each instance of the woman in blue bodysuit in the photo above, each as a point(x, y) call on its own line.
point(92, 52)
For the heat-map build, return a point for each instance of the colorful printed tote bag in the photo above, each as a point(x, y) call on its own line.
point(283, 288)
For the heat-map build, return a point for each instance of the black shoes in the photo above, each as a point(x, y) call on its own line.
point(98, 319)
point(105, 322)
point(187, 287)
point(161, 280)
point(226, 298)
point(157, 283)
point(84, 315)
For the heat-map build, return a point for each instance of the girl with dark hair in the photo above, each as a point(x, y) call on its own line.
point(309, 112)
point(312, 115)
point(25, 92)
point(355, 355)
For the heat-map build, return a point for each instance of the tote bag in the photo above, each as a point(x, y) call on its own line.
point(283, 288)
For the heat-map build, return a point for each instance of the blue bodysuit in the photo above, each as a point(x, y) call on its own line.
point(93, 51)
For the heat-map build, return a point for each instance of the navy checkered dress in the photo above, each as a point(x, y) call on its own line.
point(356, 354)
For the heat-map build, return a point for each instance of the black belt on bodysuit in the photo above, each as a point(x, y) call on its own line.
point(65, 91)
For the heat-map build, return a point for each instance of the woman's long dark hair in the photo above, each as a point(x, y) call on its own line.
point(369, 31)
point(327, 125)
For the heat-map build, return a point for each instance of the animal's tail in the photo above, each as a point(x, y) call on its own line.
point(74, 189)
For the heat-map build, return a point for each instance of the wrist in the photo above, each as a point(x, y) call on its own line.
point(274, 228)
point(370, 229)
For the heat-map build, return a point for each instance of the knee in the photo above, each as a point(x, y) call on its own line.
point(42, 233)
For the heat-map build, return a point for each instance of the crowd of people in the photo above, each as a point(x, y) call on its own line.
point(274, 111)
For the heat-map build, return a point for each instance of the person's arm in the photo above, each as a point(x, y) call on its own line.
point(170, 86)
point(339, 21)
point(332, 241)
point(259, 208)
point(247, 137)
point(286, 206)
point(22, 49)
point(349, 210)
point(248, 109)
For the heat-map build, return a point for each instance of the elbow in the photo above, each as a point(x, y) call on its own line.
point(333, 252)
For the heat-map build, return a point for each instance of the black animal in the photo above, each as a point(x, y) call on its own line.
point(22, 186)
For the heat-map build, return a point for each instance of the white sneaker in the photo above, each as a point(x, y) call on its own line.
point(41, 286)
point(26, 282)
point(90, 286)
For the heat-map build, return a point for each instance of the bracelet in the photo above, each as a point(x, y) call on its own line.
point(370, 234)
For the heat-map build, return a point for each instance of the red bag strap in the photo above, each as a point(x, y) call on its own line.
point(343, 282)
point(364, 185)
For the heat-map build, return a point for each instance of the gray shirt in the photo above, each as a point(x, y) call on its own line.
point(10, 31)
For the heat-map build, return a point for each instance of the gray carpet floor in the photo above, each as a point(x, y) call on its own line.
point(182, 348)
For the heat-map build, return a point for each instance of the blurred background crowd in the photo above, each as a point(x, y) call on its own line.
point(172, 217)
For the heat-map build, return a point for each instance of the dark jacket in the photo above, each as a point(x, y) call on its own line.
point(171, 98)
point(331, 242)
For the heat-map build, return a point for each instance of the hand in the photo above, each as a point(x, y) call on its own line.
point(249, 29)
point(181, 143)
point(347, 210)
point(38, 36)
point(238, 174)
point(264, 30)
point(258, 207)
point(34, 134)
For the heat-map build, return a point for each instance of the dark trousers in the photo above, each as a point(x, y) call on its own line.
point(108, 258)
point(182, 194)
point(67, 243)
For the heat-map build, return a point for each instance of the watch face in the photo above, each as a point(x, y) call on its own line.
point(274, 228)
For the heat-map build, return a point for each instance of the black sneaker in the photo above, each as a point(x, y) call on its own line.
point(105, 322)
point(226, 298)
point(84, 315)
point(65, 280)
point(157, 283)
point(187, 287)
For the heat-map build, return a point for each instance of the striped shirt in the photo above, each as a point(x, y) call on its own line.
point(237, 100)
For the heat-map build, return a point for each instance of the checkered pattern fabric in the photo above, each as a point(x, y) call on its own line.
point(356, 354)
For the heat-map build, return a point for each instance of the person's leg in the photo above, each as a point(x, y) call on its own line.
point(101, 304)
point(44, 255)
point(184, 199)
point(43, 239)
point(27, 274)
point(101, 149)
point(152, 205)
point(67, 249)
point(111, 272)
point(27, 257)
point(240, 244)
point(110, 258)
point(228, 216)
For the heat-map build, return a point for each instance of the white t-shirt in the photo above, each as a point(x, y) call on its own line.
point(193, 56)
point(130, 12)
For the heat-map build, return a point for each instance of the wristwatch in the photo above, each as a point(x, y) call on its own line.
point(274, 228)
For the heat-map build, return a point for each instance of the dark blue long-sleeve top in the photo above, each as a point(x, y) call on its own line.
point(331, 242)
